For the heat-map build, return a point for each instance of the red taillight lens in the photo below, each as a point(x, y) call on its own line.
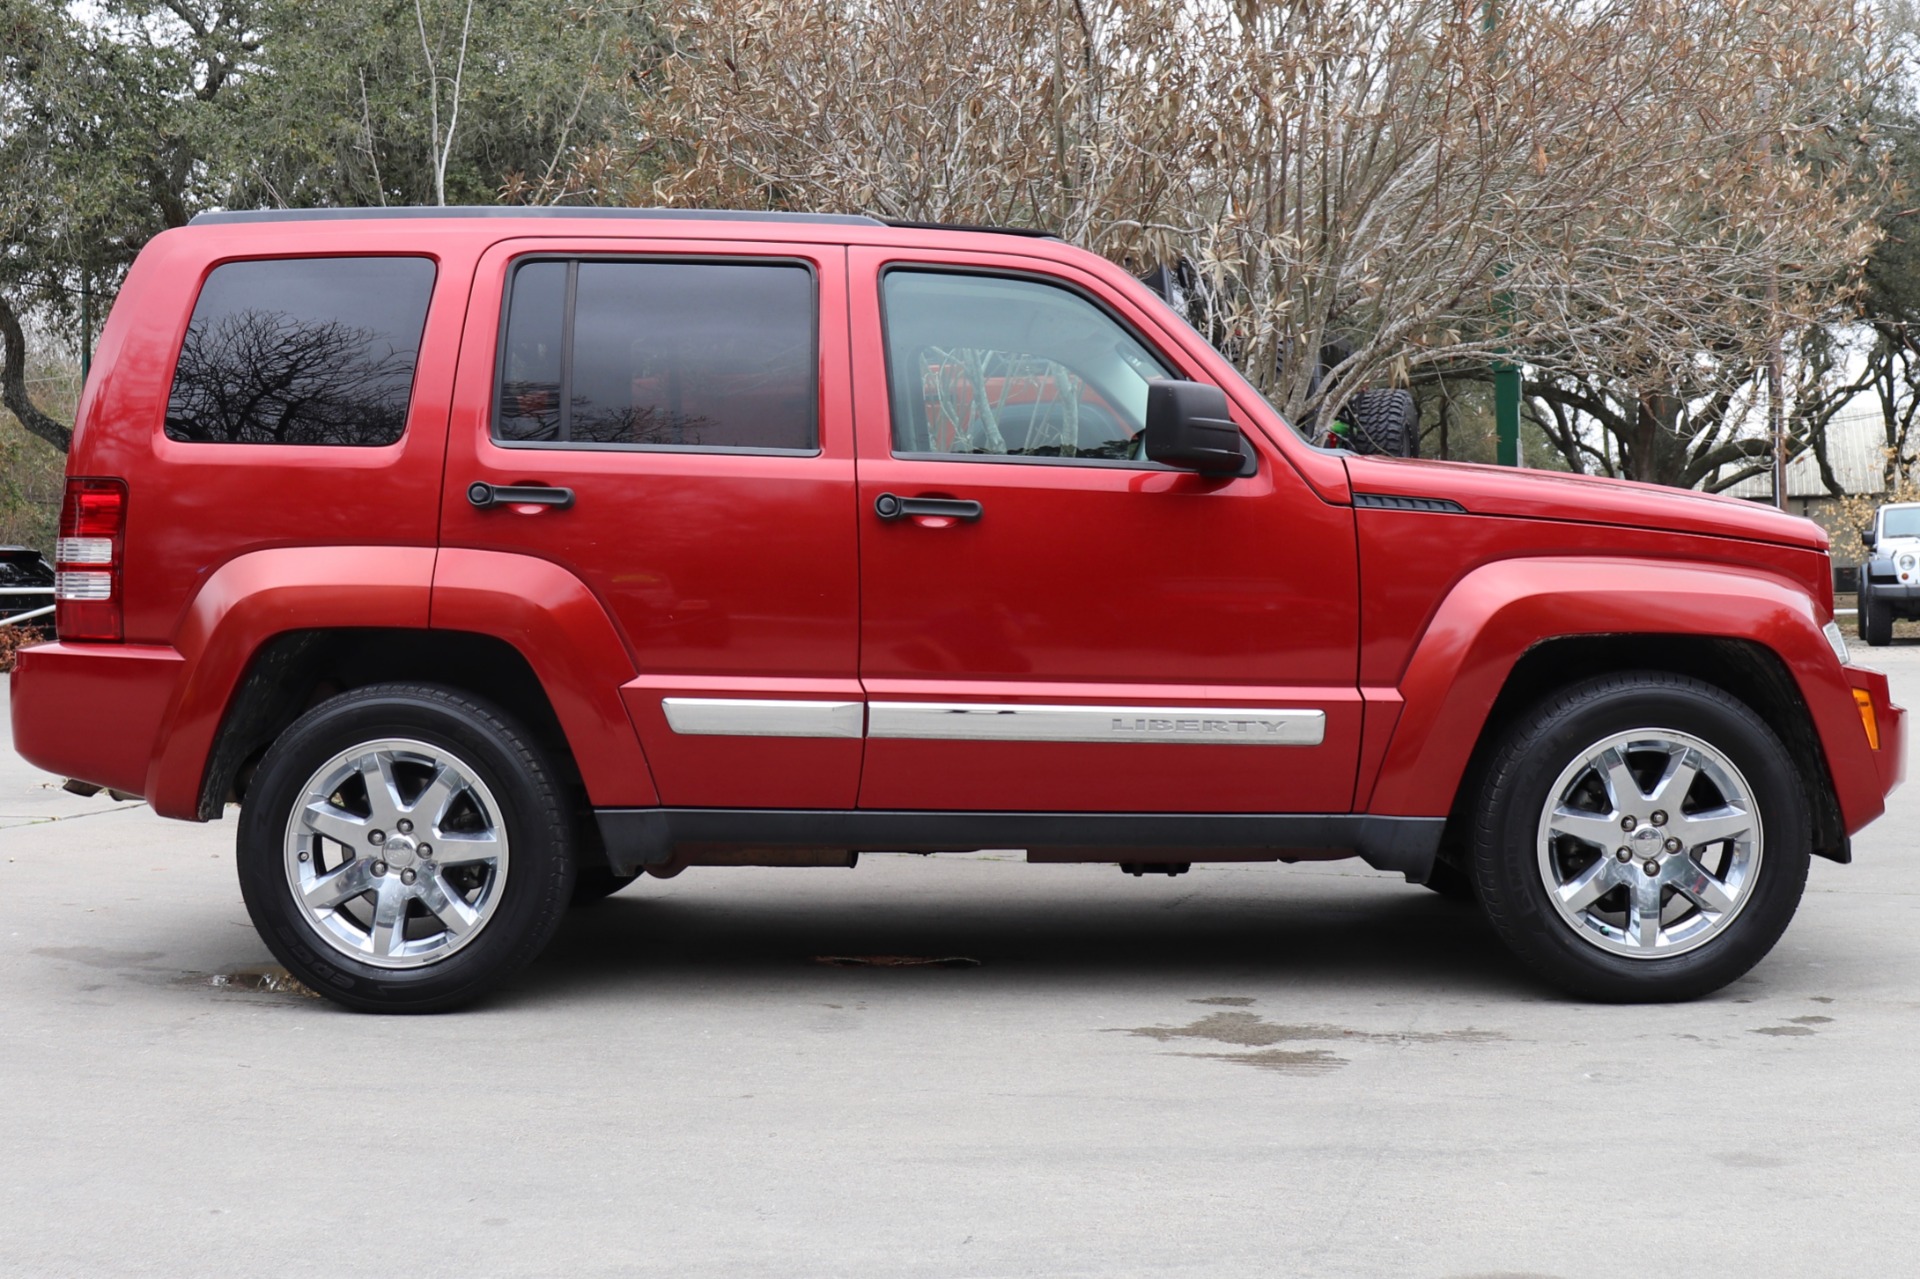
point(87, 558)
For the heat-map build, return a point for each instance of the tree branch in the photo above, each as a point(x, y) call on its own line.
point(13, 384)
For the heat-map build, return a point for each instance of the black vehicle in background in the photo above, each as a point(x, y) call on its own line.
point(26, 586)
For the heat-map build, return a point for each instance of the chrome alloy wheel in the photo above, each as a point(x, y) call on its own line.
point(1650, 843)
point(396, 853)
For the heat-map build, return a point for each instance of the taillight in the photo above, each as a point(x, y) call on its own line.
point(87, 559)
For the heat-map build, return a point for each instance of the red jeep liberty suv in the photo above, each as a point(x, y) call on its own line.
point(488, 559)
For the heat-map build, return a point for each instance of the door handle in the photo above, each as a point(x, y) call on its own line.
point(889, 507)
point(484, 495)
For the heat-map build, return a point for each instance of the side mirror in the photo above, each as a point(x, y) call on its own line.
point(1866, 534)
point(1188, 426)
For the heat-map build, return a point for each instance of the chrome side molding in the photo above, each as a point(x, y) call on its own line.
point(1009, 722)
point(762, 717)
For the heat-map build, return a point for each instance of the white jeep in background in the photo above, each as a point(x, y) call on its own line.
point(1890, 579)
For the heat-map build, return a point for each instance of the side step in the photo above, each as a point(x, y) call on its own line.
point(640, 837)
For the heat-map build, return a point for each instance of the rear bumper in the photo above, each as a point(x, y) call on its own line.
point(96, 712)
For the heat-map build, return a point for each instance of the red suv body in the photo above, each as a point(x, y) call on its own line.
point(607, 543)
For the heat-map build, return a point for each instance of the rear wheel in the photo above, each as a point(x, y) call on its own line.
point(404, 848)
point(1641, 837)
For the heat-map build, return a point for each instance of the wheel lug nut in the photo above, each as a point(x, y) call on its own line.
point(377, 837)
point(1625, 854)
point(1652, 867)
point(1673, 845)
point(1628, 823)
point(406, 876)
point(405, 826)
point(304, 856)
point(379, 868)
point(426, 850)
point(1659, 818)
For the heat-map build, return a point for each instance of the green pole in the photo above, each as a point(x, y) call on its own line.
point(1506, 374)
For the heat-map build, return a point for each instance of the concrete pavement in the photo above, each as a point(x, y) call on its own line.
point(1246, 1070)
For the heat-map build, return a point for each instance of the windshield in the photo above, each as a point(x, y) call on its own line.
point(1900, 521)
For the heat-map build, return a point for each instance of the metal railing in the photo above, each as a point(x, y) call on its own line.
point(26, 590)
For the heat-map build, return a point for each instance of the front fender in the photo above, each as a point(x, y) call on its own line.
point(1499, 611)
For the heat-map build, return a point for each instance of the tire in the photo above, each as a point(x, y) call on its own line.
point(1876, 620)
point(595, 883)
point(468, 919)
point(1384, 422)
point(1545, 810)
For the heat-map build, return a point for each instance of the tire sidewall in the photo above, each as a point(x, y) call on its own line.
point(540, 873)
point(1505, 860)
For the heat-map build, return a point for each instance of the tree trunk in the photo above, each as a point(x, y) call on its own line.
point(13, 384)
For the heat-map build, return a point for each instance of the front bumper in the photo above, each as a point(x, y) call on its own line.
point(1890, 759)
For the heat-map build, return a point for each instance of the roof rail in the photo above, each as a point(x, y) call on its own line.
point(522, 211)
point(964, 226)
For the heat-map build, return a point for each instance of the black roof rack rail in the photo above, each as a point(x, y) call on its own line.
point(523, 211)
point(1034, 232)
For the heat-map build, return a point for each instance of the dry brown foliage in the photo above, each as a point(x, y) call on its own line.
point(1619, 185)
point(12, 640)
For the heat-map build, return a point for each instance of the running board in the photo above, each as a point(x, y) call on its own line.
point(638, 837)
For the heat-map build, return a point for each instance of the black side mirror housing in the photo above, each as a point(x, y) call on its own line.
point(1189, 426)
point(1866, 534)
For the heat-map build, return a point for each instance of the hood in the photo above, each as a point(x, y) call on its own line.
point(1585, 499)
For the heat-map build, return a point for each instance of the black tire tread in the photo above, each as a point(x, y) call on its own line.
point(551, 822)
point(1509, 918)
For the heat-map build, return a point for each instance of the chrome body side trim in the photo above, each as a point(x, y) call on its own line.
point(1008, 722)
point(762, 717)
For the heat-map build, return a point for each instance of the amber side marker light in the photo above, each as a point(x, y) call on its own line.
point(1864, 700)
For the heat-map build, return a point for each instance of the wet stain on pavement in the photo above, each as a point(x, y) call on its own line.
point(1810, 1021)
point(1781, 1030)
point(1250, 1030)
point(98, 957)
point(1230, 1001)
point(254, 979)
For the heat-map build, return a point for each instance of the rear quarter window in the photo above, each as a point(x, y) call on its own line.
point(301, 351)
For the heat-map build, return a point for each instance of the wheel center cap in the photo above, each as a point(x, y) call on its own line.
point(1647, 838)
point(398, 852)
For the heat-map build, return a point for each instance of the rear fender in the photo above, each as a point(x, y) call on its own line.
point(560, 627)
point(1499, 611)
point(245, 603)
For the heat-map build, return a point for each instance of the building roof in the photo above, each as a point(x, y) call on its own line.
point(1856, 449)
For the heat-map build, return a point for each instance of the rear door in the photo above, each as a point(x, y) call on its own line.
point(690, 400)
point(1081, 629)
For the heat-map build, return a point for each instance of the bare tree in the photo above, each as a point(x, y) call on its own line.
point(1586, 184)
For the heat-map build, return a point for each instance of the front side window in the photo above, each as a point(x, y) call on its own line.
point(692, 355)
point(985, 365)
point(301, 351)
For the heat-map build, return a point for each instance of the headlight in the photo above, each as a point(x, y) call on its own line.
point(1906, 562)
point(1836, 641)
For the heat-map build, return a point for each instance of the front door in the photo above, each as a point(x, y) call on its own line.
point(1049, 622)
point(691, 400)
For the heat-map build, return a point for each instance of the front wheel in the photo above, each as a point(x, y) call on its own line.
point(1641, 837)
point(404, 848)
point(1876, 620)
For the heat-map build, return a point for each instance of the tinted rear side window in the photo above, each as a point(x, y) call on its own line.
point(694, 355)
point(301, 351)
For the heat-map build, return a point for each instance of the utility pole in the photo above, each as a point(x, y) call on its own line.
point(86, 325)
point(1506, 374)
